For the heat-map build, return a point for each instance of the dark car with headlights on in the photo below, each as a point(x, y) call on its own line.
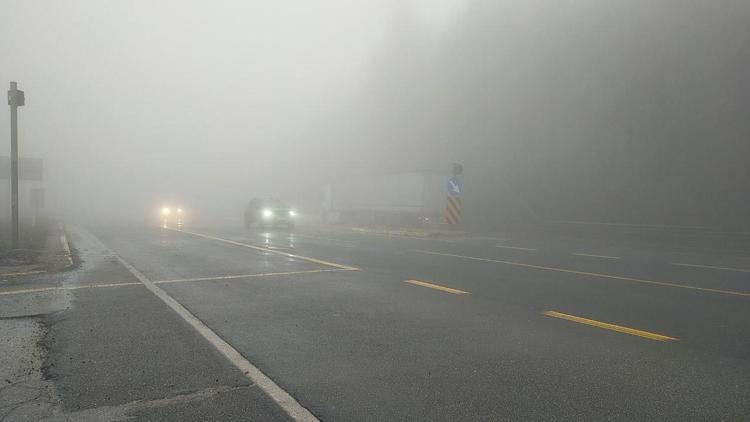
point(266, 212)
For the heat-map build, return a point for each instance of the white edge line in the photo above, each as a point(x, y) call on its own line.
point(281, 397)
point(597, 256)
point(514, 247)
point(739, 270)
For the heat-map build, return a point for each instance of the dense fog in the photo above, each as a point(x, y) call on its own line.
point(598, 111)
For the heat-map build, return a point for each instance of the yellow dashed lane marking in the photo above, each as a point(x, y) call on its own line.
point(608, 326)
point(436, 287)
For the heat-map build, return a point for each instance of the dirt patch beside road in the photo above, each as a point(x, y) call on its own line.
point(44, 248)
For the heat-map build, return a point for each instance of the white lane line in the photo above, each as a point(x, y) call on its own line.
point(597, 256)
point(711, 267)
point(259, 248)
point(281, 397)
point(239, 276)
point(514, 247)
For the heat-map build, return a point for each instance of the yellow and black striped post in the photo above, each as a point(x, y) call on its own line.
point(453, 210)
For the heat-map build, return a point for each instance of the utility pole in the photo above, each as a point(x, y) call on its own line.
point(15, 100)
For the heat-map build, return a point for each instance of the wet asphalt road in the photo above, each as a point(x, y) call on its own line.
point(363, 326)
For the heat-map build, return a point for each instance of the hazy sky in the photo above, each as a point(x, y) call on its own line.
point(576, 109)
point(174, 98)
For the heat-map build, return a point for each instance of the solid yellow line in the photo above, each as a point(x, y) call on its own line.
point(613, 327)
point(22, 273)
point(49, 289)
point(233, 277)
point(16, 292)
point(563, 270)
point(184, 280)
point(259, 248)
point(436, 287)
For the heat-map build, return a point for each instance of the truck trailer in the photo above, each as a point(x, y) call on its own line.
point(393, 199)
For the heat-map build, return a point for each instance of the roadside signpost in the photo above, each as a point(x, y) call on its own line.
point(455, 187)
point(16, 99)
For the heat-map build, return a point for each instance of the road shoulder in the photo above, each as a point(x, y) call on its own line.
point(114, 353)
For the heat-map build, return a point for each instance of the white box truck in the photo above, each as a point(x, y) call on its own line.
point(387, 198)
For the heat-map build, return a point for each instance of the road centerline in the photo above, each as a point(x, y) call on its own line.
point(612, 327)
point(590, 274)
point(436, 287)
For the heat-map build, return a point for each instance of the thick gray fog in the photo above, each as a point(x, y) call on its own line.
point(602, 111)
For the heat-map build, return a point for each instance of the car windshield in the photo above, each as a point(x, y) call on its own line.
point(273, 203)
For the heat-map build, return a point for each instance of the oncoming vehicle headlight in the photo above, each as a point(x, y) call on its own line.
point(267, 213)
point(166, 211)
point(292, 213)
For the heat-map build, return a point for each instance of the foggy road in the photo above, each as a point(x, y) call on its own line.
point(492, 210)
point(365, 326)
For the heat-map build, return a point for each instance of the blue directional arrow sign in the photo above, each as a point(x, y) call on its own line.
point(455, 186)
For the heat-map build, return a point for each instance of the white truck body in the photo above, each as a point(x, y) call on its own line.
point(417, 196)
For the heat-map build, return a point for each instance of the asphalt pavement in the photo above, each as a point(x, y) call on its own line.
point(216, 322)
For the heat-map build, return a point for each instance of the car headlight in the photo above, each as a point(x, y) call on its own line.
point(292, 213)
point(267, 213)
point(166, 211)
point(179, 210)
